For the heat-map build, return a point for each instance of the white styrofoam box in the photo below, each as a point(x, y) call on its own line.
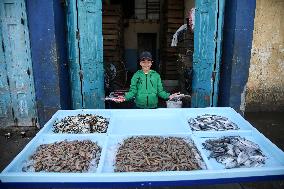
point(60, 114)
point(274, 156)
point(104, 173)
point(148, 121)
point(156, 122)
point(114, 142)
point(15, 167)
point(230, 113)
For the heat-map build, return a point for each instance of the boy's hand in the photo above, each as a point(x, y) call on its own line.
point(174, 95)
point(119, 99)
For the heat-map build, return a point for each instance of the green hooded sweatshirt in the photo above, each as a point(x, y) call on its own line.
point(146, 88)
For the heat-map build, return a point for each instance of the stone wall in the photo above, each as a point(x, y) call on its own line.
point(265, 87)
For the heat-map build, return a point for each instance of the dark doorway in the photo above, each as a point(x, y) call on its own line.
point(147, 42)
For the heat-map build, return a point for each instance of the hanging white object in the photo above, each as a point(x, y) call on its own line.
point(192, 18)
point(175, 36)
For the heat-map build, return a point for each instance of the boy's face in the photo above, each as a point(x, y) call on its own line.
point(146, 65)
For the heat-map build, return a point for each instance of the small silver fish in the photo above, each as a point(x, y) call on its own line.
point(211, 122)
point(235, 151)
point(81, 123)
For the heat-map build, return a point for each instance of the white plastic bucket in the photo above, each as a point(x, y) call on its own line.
point(174, 104)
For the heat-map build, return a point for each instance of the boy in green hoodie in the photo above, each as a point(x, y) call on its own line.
point(146, 85)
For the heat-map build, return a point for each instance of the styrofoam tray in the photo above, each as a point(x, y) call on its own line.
point(231, 114)
point(17, 164)
point(148, 121)
point(275, 157)
point(104, 172)
point(60, 114)
point(173, 122)
point(114, 142)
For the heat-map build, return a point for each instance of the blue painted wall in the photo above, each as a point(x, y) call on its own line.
point(48, 49)
point(238, 35)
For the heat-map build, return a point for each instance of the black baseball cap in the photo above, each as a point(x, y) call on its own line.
point(145, 55)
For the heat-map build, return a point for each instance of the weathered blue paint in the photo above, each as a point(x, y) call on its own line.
point(216, 68)
point(207, 50)
point(50, 72)
point(61, 44)
point(73, 55)
point(85, 44)
point(17, 56)
point(6, 117)
point(238, 34)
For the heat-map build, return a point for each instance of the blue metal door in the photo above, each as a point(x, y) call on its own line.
point(85, 47)
point(16, 80)
point(209, 16)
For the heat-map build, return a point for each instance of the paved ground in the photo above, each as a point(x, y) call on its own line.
point(271, 124)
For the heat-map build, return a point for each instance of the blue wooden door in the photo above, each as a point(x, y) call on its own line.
point(5, 99)
point(209, 16)
point(85, 47)
point(16, 78)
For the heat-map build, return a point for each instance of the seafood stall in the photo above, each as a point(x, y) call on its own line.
point(145, 147)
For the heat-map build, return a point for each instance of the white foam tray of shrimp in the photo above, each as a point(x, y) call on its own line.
point(17, 170)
